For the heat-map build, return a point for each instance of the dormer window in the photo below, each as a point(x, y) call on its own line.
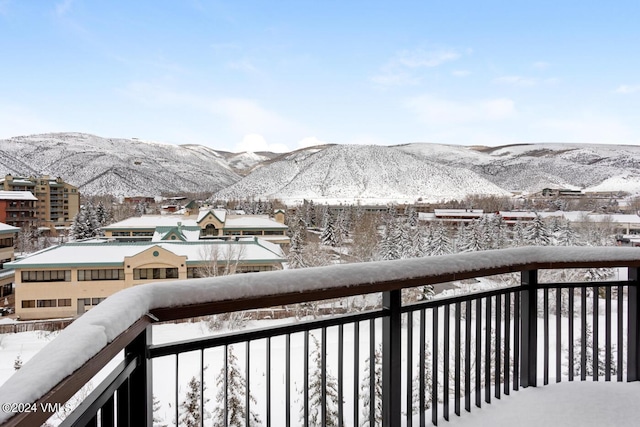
point(210, 230)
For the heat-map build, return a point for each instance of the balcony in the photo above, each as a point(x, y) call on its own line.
point(431, 360)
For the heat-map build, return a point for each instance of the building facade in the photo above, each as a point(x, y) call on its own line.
point(18, 208)
point(57, 201)
point(200, 225)
point(8, 236)
point(68, 279)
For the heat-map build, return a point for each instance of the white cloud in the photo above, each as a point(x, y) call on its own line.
point(255, 142)
point(399, 70)
point(517, 80)
point(626, 89)
point(419, 58)
point(589, 128)
point(436, 111)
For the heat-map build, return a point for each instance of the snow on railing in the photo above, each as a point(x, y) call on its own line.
point(90, 333)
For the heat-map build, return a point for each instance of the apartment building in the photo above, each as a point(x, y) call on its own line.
point(69, 279)
point(18, 208)
point(57, 201)
point(8, 236)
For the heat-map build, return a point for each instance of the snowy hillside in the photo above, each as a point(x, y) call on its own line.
point(531, 167)
point(348, 172)
point(122, 167)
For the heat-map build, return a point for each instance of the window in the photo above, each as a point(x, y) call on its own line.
point(233, 232)
point(193, 273)
point(29, 303)
point(96, 301)
point(142, 233)
point(252, 233)
point(155, 273)
point(64, 302)
point(104, 274)
point(274, 232)
point(47, 276)
point(210, 230)
point(46, 303)
point(120, 233)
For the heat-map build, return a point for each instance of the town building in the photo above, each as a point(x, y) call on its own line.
point(197, 225)
point(57, 201)
point(18, 208)
point(8, 236)
point(69, 279)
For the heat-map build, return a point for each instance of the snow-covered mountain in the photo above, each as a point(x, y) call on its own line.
point(123, 167)
point(532, 167)
point(348, 172)
point(330, 172)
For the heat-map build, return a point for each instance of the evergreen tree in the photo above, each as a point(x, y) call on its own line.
point(315, 392)
point(518, 234)
point(328, 236)
point(440, 243)
point(190, 407)
point(476, 239)
point(80, 227)
point(415, 398)
point(234, 394)
point(295, 255)
point(372, 398)
point(565, 234)
point(537, 233)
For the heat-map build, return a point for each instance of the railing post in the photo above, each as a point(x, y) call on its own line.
point(529, 328)
point(391, 359)
point(633, 328)
point(140, 382)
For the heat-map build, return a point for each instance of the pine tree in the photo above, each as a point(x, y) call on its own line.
point(415, 398)
point(328, 236)
point(565, 234)
point(316, 389)
point(296, 255)
point(79, 227)
point(372, 398)
point(190, 407)
point(537, 233)
point(518, 234)
point(440, 243)
point(476, 239)
point(234, 394)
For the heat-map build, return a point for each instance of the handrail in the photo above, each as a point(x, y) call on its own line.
point(86, 345)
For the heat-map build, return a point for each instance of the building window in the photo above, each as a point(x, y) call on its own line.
point(120, 233)
point(210, 230)
point(254, 269)
point(47, 276)
point(29, 303)
point(252, 233)
point(45, 303)
point(233, 232)
point(105, 274)
point(64, 302)
point(142, 233)
point(96, 301)
point(274, 233)
point(155, 273)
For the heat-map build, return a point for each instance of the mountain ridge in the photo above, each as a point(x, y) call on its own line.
point(429, 171)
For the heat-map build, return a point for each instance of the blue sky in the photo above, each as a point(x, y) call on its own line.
point(278, 75)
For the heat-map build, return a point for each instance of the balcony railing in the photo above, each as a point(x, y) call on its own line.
point(400, 364)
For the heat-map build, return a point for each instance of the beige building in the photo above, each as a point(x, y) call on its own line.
point(68, 279)
point(200, 225)
point(58, 202)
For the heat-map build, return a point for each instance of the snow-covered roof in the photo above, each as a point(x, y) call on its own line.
point(219, 213)
point(6, 228)
point(17, 195)
point(252, 221)
point(106, 253)
point(90, 333)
